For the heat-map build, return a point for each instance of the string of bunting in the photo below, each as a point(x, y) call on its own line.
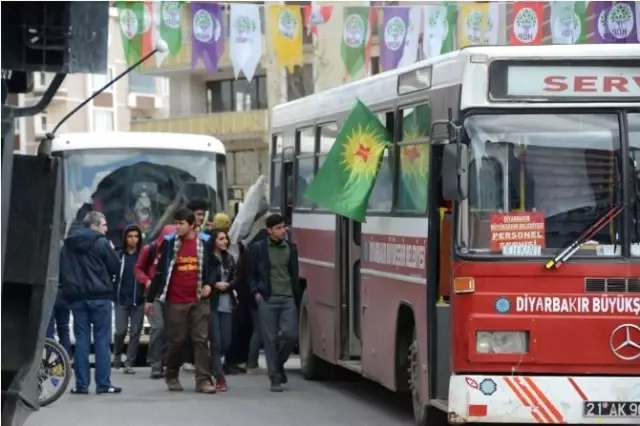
point(437, 28)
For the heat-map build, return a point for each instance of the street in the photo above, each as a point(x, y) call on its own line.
point(248, 401)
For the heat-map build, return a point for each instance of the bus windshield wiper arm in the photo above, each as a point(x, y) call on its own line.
point(586, 235)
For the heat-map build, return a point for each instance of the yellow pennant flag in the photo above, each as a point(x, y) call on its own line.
point(286, 32)
point(473, 25)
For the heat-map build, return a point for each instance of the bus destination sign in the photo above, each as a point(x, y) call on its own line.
point(579, 82)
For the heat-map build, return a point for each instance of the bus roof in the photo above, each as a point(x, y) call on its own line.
point(447, 70)
point(168, 141)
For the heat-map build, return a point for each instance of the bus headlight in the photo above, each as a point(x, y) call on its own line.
point(502, 342)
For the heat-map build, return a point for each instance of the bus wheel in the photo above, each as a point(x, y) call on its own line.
point(313, 368)
point(419, 408)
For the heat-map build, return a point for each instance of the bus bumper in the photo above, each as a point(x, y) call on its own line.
point(544, 399)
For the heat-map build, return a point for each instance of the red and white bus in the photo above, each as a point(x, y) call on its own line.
point(497, 276)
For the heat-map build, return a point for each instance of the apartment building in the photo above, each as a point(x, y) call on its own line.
point(137, 95)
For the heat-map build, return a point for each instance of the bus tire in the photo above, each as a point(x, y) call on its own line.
point(313, 368)
point(420, 409)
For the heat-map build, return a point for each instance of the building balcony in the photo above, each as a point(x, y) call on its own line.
point(231, 127)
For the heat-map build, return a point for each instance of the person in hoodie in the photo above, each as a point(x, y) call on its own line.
point(89, 269)
point(129, 304)
point(145, 271)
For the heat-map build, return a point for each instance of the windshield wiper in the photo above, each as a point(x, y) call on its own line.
point(586, 235)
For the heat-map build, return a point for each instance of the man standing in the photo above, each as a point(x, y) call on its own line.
point(181, 280)
point(145, 271)
point(89, 267)
point(273, 282)
point(129, 304)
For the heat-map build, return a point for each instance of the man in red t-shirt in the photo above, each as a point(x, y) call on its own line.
point(181, 281)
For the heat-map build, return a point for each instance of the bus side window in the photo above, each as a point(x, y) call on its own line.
point(414, 151)
point(275, 192)
point(305, 162)
point(328, 133)
point(381, 198)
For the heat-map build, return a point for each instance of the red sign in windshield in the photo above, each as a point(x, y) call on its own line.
point(532, 81)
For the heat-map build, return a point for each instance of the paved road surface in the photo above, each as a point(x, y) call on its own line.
point(248, 402)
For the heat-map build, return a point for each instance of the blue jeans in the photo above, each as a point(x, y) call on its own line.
point(98, 314)
point(59, 323)
point(220, 339)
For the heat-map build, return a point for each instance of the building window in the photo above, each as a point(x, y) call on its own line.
point(103, 120)
point(140, 83)
point(43, 121)
point(237, 95)
point(300, 82)
point(99, 80)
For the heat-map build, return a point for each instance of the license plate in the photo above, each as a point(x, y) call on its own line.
point(612, 409)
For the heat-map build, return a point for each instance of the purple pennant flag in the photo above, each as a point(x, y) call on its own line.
point(207, 36)
point(615, 22)
point(395, 25)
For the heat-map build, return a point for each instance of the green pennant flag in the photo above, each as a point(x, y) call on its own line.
point(345, 180)
point(131, 18)
point(171, 25)
point(414, 160)
point(355, 34)
point(568, 22)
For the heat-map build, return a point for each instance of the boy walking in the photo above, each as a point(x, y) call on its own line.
point(145, 271)
point(274, 283)
point(181, 281)
point(129, 306)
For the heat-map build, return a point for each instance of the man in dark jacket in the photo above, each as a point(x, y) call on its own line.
point(129, 304)
point(183, 282)
point(274, 283)
point(89, 267)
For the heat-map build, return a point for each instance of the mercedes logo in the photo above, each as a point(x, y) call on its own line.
point(625, 342)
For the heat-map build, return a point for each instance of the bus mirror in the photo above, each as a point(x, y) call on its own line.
point(455, 163)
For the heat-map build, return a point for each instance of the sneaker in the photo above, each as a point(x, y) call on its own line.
point(283, 376)
point(188, 367)
point(110, 389)
point(276, 386)
point(205, 386)
point(78, 391)
point(117, 363)
point(255, 371)
point(221, 385)
point(174, 385)
point(129, 370)
point(156, 373)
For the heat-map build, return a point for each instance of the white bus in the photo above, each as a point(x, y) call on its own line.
point(134, 177)
point(439, 293)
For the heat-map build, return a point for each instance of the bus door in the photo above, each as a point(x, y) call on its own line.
point(439, 273)
point(348, 240)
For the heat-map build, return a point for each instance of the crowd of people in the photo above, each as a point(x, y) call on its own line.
point(209, 313)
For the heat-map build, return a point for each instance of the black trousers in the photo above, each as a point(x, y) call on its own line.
point(238, 352)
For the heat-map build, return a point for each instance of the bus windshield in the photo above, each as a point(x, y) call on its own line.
point(537, 181)
point(137, 186)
